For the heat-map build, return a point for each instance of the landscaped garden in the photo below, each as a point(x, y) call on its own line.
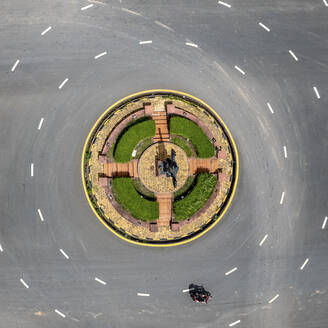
point(189, 130)
point(130, 137)
point(195, 200)
point(139, 207)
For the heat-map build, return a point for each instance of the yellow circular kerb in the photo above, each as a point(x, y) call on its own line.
point(144, 93)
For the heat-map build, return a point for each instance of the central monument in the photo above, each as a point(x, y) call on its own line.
point(169, 167)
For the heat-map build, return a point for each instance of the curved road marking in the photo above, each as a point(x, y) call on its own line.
point(62, 251)
point(40, 214)
point(87, 7)
point(224, 4)
point(101, 281)
point(231, 271)
point(60, 313)
point(293, 55)
point(101, 54)
point(264, 26)
point(24, 283)
point(15, 65)
point(46, 30)
point(63, 83)
point(263, 240)
point(271, 110)
point(40, 124)
point(304, 264)
point(316, 92)
point(239, 70)
point(164, 26)
point(191, 44)
point(273, 299)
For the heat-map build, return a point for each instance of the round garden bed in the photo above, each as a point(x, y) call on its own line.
point(159, 168)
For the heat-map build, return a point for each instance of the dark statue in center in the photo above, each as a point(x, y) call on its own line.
point(169, 167)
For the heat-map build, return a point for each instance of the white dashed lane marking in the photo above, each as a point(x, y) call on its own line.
point(325, 3)
point(263, 240)
point(131, 12)
point(282, 198)
point(316, 92)
point(15, 65)
point(164, 26)
point(87, 7)
point(239, 70)
point(60, 313)
point(32, 170)
point(40, 215)
point(324, 223)
point(234, 323)
point(191, 44)
point(101, 281)
point(146, 42)
point(24, 283)
point(143, 294)
point(67, 257)
point(46, 30)
point(1, 249)
point(273, 299)
point(293, 55)
point(231, 271)
point(186, 290)
point(270, 108)
point(40, 124)
point(304, 264)
point(224, 4)
point(264, 26)
point(285, 151)
point(101, 54)
point(63, 83)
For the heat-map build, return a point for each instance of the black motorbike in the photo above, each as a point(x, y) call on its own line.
point(199, 294)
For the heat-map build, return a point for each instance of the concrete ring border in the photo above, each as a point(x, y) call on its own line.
point(214, 220)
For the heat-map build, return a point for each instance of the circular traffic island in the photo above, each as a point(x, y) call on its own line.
point(159, 168)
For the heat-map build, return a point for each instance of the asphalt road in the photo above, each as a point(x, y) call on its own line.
point(226, 37)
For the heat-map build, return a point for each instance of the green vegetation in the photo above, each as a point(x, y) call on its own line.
point(202, 191)
point(182, 143)
point(142, 145)
point(141, 189)
point(188, 129)
point(130, 137)
point(185, 187)
point(126, 195)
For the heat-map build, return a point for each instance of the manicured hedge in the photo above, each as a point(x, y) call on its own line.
point(188, 129)
point(130, 137)
point(201, 192)
point(126, 195)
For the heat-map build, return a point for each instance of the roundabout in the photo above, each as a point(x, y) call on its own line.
point(138, 178)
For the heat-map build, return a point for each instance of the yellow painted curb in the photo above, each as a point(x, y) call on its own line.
point(146, 92)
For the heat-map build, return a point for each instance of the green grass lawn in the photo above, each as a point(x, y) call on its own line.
point(126, 195)
point(184, 145)
point(130, 137)
point(202, 191)
point(185, 187)
point(188, 129)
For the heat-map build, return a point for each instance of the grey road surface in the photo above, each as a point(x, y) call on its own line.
point(275, 103)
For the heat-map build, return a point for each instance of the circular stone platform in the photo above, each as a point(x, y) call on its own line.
point(149, 173)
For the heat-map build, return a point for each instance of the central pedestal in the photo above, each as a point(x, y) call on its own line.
point(148, 167)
